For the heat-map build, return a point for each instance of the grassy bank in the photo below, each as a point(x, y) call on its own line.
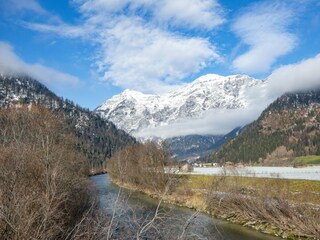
point(302, 191)
point(307, 161)
point(280, 207)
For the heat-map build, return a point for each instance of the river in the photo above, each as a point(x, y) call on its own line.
point(134, 209)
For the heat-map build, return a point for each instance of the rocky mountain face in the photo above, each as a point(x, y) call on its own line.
point(134, 111)
point(98, 138)
point(288, 128)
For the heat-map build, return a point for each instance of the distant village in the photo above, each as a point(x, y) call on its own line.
point(188, 167)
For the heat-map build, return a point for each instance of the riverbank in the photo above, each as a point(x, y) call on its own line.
point(271, 206)
point(135, 209)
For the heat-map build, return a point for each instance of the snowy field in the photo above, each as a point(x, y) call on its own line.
point(308, 173)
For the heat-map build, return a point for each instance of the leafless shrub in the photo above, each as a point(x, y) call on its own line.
point(43, 185)
point(143, 165)
point(231, 198)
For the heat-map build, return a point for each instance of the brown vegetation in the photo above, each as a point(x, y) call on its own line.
point(267, 207)
point(43, 179)
point(145, 166)
point(275, 206)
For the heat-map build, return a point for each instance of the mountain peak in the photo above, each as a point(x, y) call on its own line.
point(208, 77)
point(130, 92)
point(139, 96)
point(134, 111)
point(216, 77)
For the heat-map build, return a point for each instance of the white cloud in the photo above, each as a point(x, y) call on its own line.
point(301, 76)
point(134, 51)
point(11, 63)
point(62, 29)
point(203, 14)
point(264, 28)
point(215, 122)
point(98, 6)
point(141, 57)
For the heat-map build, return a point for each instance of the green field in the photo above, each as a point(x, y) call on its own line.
point(307, 160)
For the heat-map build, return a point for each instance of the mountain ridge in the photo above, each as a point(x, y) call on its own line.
point(98, 138)
point(134, 111)
point(288, 128)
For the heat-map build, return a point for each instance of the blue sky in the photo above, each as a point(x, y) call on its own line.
point(89, 50)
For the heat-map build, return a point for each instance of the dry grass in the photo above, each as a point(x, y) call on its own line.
point(289, 208)
point(297, 190)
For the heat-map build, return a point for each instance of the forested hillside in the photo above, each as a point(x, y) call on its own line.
point(98, 138)
point(288, 128)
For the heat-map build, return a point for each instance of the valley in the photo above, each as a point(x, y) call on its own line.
point(215, 191)
point(159, 120)
point(168, 117)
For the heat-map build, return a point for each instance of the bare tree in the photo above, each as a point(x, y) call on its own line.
point(43, 185)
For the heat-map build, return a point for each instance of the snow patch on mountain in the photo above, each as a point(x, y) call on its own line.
point(138, 113)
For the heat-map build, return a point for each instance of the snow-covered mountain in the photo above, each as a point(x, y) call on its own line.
point(134, 111)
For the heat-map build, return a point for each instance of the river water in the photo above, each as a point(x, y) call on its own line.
point(135, 209)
